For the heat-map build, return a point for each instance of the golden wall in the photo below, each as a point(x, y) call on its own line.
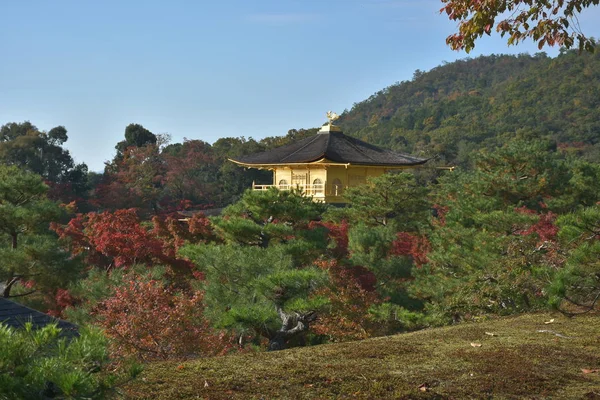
point(333, 179)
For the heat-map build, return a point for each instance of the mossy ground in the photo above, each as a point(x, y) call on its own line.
point(518, 362)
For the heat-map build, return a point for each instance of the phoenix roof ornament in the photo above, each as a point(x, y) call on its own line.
point(331, 116)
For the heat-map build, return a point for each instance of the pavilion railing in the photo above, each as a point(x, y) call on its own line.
point(311, 190)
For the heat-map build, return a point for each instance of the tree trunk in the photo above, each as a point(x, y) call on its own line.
point(292, 325)
point(9, 284)
point(11, 275)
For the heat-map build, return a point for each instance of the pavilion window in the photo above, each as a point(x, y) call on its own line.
point(337, 187)
point(299, 180)
point(317, 186)
point(283, 185)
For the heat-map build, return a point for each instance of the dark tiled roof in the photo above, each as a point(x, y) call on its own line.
point(16, 315)
point(334, 146)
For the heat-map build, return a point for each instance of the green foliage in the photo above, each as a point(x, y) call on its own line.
point(578, 283)
point(41, 364)
point(233, 179)
point(371, 248)
point(135, 136)
point(379, 211)
point(581, 188)
point(390, 314)
point(493, 246)
point(28, 250)
point(390, 199)
point(245, 284)
point(24, 203)
point(41, 263)
point(25, 146)
point(480, 271)
point(261, 281)
point(520, 173)
point(284, 206)
point(274, 217)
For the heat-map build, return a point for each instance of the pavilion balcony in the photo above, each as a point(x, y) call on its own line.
point(317, 190)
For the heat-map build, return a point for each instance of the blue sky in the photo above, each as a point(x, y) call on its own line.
point(205, 70)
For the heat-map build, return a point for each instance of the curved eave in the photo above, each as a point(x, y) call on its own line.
point(325, 162)
point(321, 161)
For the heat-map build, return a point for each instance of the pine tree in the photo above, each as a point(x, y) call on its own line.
point(261, 281)
point(30, 254)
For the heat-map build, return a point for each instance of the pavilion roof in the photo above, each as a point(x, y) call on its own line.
point(333, 146)
point(17, 315)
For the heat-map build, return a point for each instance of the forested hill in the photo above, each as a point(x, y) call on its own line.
point(473, 103)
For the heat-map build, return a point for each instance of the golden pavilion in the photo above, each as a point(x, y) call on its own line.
point(324, 165)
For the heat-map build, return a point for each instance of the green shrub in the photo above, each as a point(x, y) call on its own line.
point(42, 363)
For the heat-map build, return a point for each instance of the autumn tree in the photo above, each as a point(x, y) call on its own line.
point(545, 22)
point(351, 296)
point(118, 240)
point(133, 180)
point(191, 173)
point(147, 318)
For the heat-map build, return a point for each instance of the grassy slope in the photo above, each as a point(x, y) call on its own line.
point(518, 362)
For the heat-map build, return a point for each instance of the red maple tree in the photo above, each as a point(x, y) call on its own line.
point(119, 239)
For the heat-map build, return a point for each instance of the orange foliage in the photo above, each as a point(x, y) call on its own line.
point(150, 321)
point(349, 299)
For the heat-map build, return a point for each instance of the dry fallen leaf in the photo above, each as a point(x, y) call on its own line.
point(490, 334)
point(554, 333)
point(476, 344)
point(423, 387)
point(549, 322)
point(590, 371)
